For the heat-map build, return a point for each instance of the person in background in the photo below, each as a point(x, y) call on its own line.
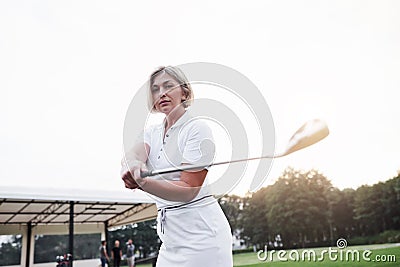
point(103, 254)
point(116, 254)
point(130, 253)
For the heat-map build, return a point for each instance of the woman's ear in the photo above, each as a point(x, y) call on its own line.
point(184, 95)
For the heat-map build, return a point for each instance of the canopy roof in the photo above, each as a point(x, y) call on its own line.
point(43, 206)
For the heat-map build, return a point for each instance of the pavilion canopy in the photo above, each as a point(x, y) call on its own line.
point(45, 206)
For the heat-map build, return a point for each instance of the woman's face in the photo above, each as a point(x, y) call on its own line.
point(167, 93)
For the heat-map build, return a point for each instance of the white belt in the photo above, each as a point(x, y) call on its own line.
point(163, 215)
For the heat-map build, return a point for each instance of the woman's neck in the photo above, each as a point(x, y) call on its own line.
point(173, 117)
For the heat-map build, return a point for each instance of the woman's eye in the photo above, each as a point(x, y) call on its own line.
point(154, 89)
point(170, 85)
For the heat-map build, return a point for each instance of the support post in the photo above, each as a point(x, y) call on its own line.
point(71, 232)
point(28, 244)
point(106, 234)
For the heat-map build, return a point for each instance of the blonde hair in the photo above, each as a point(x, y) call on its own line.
point(178, 75)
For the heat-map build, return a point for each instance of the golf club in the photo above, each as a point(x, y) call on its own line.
point(310, 133)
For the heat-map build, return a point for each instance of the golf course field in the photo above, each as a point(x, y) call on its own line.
point(368, 255)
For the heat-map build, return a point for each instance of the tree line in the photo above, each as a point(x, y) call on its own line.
point(303, 209)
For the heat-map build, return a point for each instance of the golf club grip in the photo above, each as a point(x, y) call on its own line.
point(146, 174)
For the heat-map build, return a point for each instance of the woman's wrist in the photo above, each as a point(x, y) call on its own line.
point(136, 173)
point(141, 182)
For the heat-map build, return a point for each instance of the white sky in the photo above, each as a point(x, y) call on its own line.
point(69, 69)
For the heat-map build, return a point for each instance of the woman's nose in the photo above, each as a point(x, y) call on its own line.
point(162, 92)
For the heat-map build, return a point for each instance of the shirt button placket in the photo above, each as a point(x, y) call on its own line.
point(165, 141)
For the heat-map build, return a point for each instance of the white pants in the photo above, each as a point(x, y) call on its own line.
point(131, 261)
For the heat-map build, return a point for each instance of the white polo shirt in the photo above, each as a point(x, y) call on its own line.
point(188, 141)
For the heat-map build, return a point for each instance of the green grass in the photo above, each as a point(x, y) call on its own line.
point(251, 259)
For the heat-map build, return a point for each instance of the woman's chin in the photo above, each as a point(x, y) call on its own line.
point(167, 109)
point(164, 109)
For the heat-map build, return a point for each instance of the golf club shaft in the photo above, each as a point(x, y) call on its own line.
point(200, 167)
point(309, 134)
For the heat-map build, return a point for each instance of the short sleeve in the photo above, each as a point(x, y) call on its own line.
point(199, 148)
point(145, 136)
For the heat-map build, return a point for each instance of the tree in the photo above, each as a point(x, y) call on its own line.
point(377, 207)
point(254, 219)
point(341, 214)
point(298, 207)
point(391, 203)
point(48, 247)
point(232, 206)
point(146, 238)
point(143, 234)
point(304, 209)
point(10, 252)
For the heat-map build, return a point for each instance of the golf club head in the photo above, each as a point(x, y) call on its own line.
point(310, 133)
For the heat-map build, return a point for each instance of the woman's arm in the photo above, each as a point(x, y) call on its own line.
point(184, 190)
point(133, 160)
point(139, 152)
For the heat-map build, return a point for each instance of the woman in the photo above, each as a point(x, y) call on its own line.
point(190, 223)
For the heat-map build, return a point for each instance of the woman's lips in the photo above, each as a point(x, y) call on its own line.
point(164, 102)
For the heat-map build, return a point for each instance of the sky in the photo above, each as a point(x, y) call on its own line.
point(69, 70)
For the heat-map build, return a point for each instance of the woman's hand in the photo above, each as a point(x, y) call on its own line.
point(133, 167)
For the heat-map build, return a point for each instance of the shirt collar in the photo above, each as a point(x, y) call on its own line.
point(183, 119)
